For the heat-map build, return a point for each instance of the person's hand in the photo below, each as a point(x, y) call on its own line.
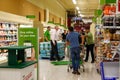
point(82, 44)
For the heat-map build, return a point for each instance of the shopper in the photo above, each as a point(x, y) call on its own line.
point(47, 34)
point(55, 36)
point(64, 35)
point(89, 45)
point(72, 39)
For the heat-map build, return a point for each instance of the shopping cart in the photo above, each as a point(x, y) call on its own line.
point(81, 59)
point(109, 70)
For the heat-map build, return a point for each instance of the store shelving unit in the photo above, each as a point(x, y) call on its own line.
point(8, 36)
point(9, 24)
point(106, 49)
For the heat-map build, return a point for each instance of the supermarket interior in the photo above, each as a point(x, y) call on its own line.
point(59, 39)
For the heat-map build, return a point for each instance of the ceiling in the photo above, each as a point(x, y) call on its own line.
point(86, 7)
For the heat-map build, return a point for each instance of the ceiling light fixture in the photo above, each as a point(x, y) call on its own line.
point(77, 8)
point(74, 2)
point(81, 15)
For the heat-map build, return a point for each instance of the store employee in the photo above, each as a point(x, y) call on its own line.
point(47, 34)
point(55, 36)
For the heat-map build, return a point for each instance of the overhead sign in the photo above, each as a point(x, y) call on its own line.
point(30, 16)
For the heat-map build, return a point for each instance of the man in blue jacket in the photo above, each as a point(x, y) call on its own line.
point(72, 39)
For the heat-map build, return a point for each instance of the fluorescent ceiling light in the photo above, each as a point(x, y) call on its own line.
point(81, 15)
point(77, 8)
point(78, 11)
point(74, 2)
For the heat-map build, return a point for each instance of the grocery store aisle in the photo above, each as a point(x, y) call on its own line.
point(50, 72)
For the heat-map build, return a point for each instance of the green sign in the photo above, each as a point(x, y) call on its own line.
point(110, 1)
point(30, 16)
point(102, 2)
point(51, 22)
point(94, 19)
point(29, 36)
point(98, 12)
point(57, 23)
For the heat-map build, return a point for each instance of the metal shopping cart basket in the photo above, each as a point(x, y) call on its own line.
point(70, 63)
point(109, 70)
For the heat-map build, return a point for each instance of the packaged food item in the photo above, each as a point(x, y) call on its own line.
point(119, 5)
point(113, 8)
point(111, 21)
point(117, 21)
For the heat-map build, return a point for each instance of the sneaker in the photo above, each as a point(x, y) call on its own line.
point(78, 73)
point(74, 72)
point(92, 61)
point(86, 60)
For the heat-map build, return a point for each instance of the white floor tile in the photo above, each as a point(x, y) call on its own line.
point(51, 72)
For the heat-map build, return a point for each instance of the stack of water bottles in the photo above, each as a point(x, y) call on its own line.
point(45, 48)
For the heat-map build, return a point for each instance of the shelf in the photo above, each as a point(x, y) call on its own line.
point(16, 47)
point(1, 41)
point(118, 13)
point(112, 27)
point(3, 59)
point(20, 66)
point(8, 29)
point(8, 35)
point(118, 32)
point(107, 16)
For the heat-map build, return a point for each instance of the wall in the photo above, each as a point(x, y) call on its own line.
point(34, 7)
point(54, 7)
point(21, 7)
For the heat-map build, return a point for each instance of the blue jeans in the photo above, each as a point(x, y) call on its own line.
point(75, 55)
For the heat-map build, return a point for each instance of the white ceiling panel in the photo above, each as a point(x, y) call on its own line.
point(87, 7)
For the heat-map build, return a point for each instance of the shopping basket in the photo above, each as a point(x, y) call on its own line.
point(109, 70)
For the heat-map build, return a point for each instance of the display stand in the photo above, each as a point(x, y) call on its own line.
point(109, 70)
point(45, 49)
point(17, 68)
point(9, 24)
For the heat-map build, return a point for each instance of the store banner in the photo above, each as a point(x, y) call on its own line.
point(30, 16)
point(110, 1)
point(102, 2)
point(29, 37)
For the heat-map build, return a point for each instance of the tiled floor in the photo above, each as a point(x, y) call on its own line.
point(51, 72)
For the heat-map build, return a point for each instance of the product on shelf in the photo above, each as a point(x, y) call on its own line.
point(45, 49)
point(118, 5)
point(109, 9)
point(8, 34)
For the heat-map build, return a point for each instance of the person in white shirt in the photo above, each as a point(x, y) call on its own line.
point(55, 36)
